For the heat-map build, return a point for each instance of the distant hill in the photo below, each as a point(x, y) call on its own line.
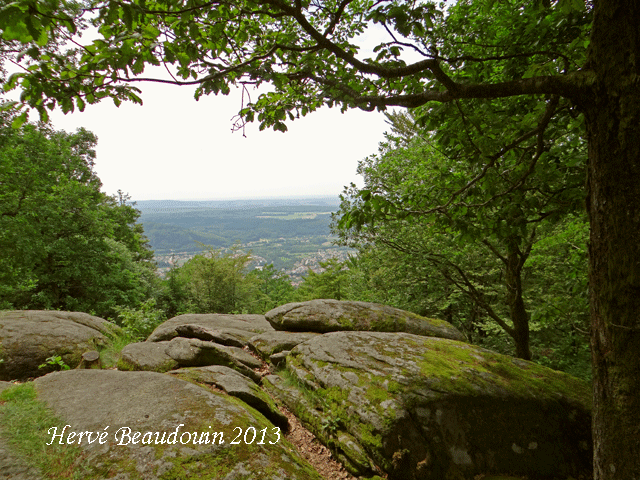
point(178, 226)
point(166, 206)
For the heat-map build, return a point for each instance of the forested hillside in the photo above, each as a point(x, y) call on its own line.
point(178, 226)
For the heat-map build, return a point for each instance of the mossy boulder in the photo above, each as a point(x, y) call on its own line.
point(332, 315)
point(29, 337)
point(169, 413)
point(431, 408)
point(230, 330)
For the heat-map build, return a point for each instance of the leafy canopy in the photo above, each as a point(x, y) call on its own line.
point(311, 52)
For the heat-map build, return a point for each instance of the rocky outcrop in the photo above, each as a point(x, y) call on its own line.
point(230, 330)
point(186, 352)
point(158, 426)
point(332, 315)
point(432, 408)
point(392, 394)
point(29, 337)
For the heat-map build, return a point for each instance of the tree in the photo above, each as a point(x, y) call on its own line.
point(63, 243)
point(214, 282)
point(411, 184)
point(331, 282)
point(309, 53)
point(275, 288)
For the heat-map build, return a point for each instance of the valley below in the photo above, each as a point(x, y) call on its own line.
point(293, 234)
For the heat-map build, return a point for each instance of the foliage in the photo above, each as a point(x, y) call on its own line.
point(274, 288)
point(310, 52)
point(477, 234)
point(56, 362)
point(138, 323)
point(213, 282)
point(332, 282)
point(63, 243)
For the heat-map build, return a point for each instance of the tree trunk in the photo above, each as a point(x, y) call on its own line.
point(613, 129)
point(517, 311)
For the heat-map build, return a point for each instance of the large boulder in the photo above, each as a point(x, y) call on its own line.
point(29, 337)
point(332, 315)
point(430, 408)
point(147, 356)
point(157, 426)
point(231, 330)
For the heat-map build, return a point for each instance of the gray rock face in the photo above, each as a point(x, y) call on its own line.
point(333, 315)
point(149, 356)
point(430, 408)
point(270, 343)
point(169, 414)
point(191, 352)
point(236, 385)
point(232, 330)
point(29, 337)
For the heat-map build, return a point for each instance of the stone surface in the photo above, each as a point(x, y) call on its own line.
point(148, 402)
point(29, 337)
point(430, 408)
point(237, 385)
point(233, 330)
point(269, 343)
point(333, 315)
point(149, 356)
point(279, 359)
point(191, 352)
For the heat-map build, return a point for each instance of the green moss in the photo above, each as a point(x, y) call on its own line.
point(388, 323)
point(369, 438)
point(346, 322)
point(464, 369)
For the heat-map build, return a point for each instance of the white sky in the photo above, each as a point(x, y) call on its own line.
point(173, 147)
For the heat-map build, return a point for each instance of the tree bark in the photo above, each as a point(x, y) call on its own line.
point(517, 311)
point(613, 128)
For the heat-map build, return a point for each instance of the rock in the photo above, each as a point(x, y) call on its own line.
point(431, 408)
point(202, 333)
point(332, 315)
point(279, 359)
point(232, 330)
point(169, 414)
point(237, 385)
point(343, 445)
point(149, 356)
point(191, 352)
point(29, 337)
point(90, 359)
point(266, 344)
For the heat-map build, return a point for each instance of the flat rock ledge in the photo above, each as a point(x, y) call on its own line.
point(323, 316)
point(162, 407)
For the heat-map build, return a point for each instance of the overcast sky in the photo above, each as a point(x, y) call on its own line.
point(173, 147)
